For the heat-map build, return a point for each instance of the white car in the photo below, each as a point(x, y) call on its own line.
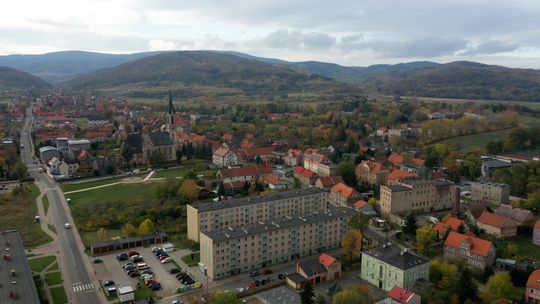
point(67, 226)
point(156, 249)
point(240, 289)
point(147, 277)
point(166, 260)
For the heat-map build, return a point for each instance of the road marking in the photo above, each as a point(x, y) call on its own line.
point(78, 287)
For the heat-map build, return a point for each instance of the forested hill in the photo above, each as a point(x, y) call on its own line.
point(11, 79)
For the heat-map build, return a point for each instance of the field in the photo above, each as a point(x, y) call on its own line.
point(526, 250)
point(18, 211)
point(53, 278)
point(39, 264)
point(90, 184)
point(59, 295)
point(530, 104)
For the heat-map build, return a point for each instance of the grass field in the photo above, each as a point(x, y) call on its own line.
point(45, 200)
point(525, 248)
point(18, 213)
point(90, 184)
point(176, 172)
point(38, 264)
point(59, 295)
point(54, 266)
point(475, 141)
point(192, 262)
point(53, 278)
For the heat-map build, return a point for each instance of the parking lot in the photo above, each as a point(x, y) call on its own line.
point(111, 269)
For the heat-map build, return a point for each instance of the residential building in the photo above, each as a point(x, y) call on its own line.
point(372, 173)
point(319, 163)
point(250, 210)
point(293, 157)
point(248, 173)
point(16, 281)
point(497, 225)
point(476, 252)
point(274, 182)
point(158, 143)
point(231, 250)
point(325, 268)
point(343, 195)
point(365, 208)
point(532, 291)
point(536, 233)
point(399, 295)
point(419, 196)
point(75, 146)
point(399, 175)
point(47, 153)
point(328, 182)
point(451, 224)
point(491, 193)
point(305, 176)
point(388, 266)
point(252, 154)
point(225, 157)
point(518, 215)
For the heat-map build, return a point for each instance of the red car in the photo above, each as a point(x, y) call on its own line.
point(252, 285)
point(134, 274)
point(132, 253)
point(267, 271)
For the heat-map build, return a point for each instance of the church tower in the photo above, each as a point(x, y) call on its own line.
point(169, 117)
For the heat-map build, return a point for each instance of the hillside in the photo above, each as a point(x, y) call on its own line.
point(461, 79)
point(11, 79)
point(220, 72)
point(62, 66)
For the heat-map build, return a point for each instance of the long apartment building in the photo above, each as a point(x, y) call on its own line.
point(232, 250)
point(489, 192)
point(419, 196)
point(249, 210)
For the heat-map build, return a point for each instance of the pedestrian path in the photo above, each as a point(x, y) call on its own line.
point(80, 287)
point(147, 178)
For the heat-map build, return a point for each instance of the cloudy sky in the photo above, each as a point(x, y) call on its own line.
point(349, 32)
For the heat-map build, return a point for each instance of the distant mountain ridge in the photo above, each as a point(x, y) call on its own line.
point(62, 66)
point(12, 79)
point(212, 70)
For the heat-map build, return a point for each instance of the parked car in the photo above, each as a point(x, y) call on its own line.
point(240, 289)
point(127, 265)
point(174, 271)
point(155, 287)
point(196, 285)
point(150, 282)
point(155, 249)
point(142, 266)
point(133, 257)
point(132, 253)
point(108, 283)
point(254, 273)
point(97, 261)
point(163, 257)
point(267, 271)
point(122, 257)
point(147, 271)
point(166, 260)
point(134, 274)
point(147, 277)
point(138, 259)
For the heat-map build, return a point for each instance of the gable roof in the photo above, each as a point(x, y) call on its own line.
point(516, 214)
point(311, 267)
point(160, 139)
point(534, 279)
point(326, 260)
point(343, 190)
point(494, 220)
point(395, 158)
point(257, 151)
point(374, 167)
point(246, 171)
point(222, 151)
point(398, 174)
point(304, 172)
point(400, 294)
point(329, 181)
point(452, 223)
point(478, 245)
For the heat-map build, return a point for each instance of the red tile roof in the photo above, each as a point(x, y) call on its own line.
point(326, 259)
point(304, 172)
point(247, 171)
point(534, 279)
point(452, 223)
point(222, 151)
point(398, 175)
point(329, 181)
point(271, 179)
point(258, 151)
point(343, 190)
point(395, 158)
point(374, 167)
point(400, 294)
point(478, 245)
point(360, 204)
point(494, 220)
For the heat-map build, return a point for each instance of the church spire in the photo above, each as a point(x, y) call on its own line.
point(171, 108)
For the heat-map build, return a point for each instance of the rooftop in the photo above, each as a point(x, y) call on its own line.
point(22, 284)
point(238, 202)
point(393, 255)
point(477, 245)
point(286, 222)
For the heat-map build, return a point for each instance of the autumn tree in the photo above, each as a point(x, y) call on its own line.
point(465, 287)
point(358, 221)
point(146, 227)
point(129, 230)
point(499, 286)
point(425, 238)
point(351, 294)
point(352, 243)
point(189, 190)
point(102, 233)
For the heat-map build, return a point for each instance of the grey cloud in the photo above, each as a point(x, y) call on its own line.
point(491, 47)
point(295, 40)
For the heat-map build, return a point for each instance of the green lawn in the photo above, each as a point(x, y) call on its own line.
point(176, 172)
point(475, 141)
point(92, 237)
point(38, 264)
point(53, 267)
point(525, 248)
point(90, 184)
point(192, 262)
point(58, 295)
point(53, 278)
point(18, 213)
point(45, 200)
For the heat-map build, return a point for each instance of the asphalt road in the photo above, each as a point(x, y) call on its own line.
point(75, 264)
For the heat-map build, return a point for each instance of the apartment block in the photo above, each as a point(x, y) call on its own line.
point(232, 250)
point(419, 196)
point(249, 210)
point(492, 193)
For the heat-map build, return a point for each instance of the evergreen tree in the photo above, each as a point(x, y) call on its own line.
point(307, 294)
point(466, 287)
point(410, 225)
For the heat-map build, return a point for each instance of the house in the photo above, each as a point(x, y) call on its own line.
point(248, 173)
point(536, 233)
point(231, 188)
point(532, 291)
point(491, 193)
point(318, 163)
point(388, 266)
point(517, 215)
point(399, 175)
point(327, 182)
point(305, 176)
point(451, 224)
point(371, 172)
point(343, 195)
point(225, 157)
point(325, 268)
point(500, 226)
point(47, 153)
point(475, 251)
point(293, 157)
point(397, 159)
point(68, 168)
point(251, 154)
point(274, 182)
point(399, 295)
point(365, 208)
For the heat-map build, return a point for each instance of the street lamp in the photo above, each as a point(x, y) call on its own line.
point(205, 271)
